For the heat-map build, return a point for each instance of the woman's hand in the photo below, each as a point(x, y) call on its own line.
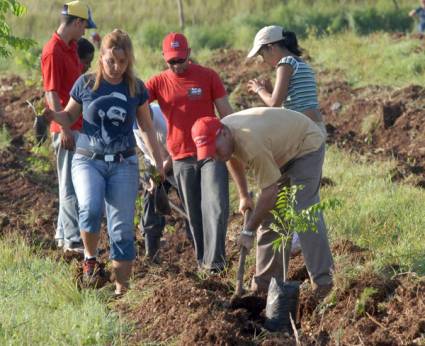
point(254, 85)
point(67, 139)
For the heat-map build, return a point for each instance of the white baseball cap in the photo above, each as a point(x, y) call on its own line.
point(268, 34)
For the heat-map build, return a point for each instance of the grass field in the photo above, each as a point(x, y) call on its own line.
point(41, 305)
point(376, 214)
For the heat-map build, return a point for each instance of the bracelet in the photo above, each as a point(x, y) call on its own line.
point(258, 89)
point(247, 232)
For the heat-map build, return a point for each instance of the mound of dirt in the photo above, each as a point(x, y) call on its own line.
point(27, 198)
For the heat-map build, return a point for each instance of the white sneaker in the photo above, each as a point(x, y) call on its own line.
point(60, 243)
point(76, 249)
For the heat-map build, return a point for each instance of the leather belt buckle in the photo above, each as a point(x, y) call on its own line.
point(109, 158)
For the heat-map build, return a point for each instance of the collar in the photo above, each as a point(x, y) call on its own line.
point(72, 46)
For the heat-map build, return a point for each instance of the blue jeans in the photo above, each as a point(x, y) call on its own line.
point(67, 227)
point(204, 190)
point(113, 185)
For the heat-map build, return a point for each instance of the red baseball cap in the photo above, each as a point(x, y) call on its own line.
point(174, 46)
point(204, 133)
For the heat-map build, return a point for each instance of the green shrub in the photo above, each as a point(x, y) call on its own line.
point(152, 33)
point(368, 20)
point(212, 37)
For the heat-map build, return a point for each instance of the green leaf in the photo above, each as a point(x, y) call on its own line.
point(288, 220)
point(7, 40)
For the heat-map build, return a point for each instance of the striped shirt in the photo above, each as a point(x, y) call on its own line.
point(302, 92)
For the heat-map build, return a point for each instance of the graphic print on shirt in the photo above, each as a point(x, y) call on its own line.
point(195, 93)
point(110, 112)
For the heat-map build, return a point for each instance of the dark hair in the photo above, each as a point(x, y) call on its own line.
point(85, 48)
point(68, 19)
point(289, 42)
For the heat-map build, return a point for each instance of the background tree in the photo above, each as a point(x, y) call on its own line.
point(7, 39)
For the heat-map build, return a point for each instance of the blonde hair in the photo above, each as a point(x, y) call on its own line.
point(118, 39)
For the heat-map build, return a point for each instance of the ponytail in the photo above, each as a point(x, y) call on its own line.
point(290, 42)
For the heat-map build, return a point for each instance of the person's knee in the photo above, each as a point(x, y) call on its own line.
point(90, 217)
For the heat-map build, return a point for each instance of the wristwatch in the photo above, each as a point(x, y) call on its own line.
point(248, 232)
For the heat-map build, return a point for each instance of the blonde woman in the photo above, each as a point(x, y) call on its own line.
point(105, 166)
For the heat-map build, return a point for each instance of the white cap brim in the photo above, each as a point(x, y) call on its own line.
point(254, 51)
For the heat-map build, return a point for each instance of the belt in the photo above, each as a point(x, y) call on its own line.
point(117, 157)
point(286, 166)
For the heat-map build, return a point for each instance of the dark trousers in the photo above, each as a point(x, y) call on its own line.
point(204, 190)
point(152, 223)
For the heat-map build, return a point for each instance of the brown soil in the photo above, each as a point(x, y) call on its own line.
point(174, 303)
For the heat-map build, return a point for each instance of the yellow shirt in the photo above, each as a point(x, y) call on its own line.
point(267, 138)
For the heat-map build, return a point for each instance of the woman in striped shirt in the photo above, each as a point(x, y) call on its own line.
point(295, 86)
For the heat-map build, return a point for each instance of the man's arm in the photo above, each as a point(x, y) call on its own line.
point(266, 202)
point(53, 101)
point(66, 136)
point(147, 131)
point(237, 171)
point(223, 106)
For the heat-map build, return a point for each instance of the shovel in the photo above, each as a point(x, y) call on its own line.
point(241, 267)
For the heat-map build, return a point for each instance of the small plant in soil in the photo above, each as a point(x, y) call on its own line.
point(287, 219)
point(282, 297)
point(40, 123)
point(363, 301)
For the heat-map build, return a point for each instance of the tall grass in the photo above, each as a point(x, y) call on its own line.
point(377, 214)
point(41, 305)
point(375, 59)
point(212, 24)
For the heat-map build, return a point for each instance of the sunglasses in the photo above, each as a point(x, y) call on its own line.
point(263, 49)
point(177, 61)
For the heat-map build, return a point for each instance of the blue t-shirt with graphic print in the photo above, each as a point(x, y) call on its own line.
point(108, 114)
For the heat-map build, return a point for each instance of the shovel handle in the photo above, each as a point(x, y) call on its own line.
point(242, 257)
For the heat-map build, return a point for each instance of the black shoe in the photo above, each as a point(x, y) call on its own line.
point(152, 245)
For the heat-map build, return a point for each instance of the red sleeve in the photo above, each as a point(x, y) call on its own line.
point(151, 86)
point(51, 71)
point(218, 90)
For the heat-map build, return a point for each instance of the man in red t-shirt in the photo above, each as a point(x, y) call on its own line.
point(186, 92)
point(60, 68)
